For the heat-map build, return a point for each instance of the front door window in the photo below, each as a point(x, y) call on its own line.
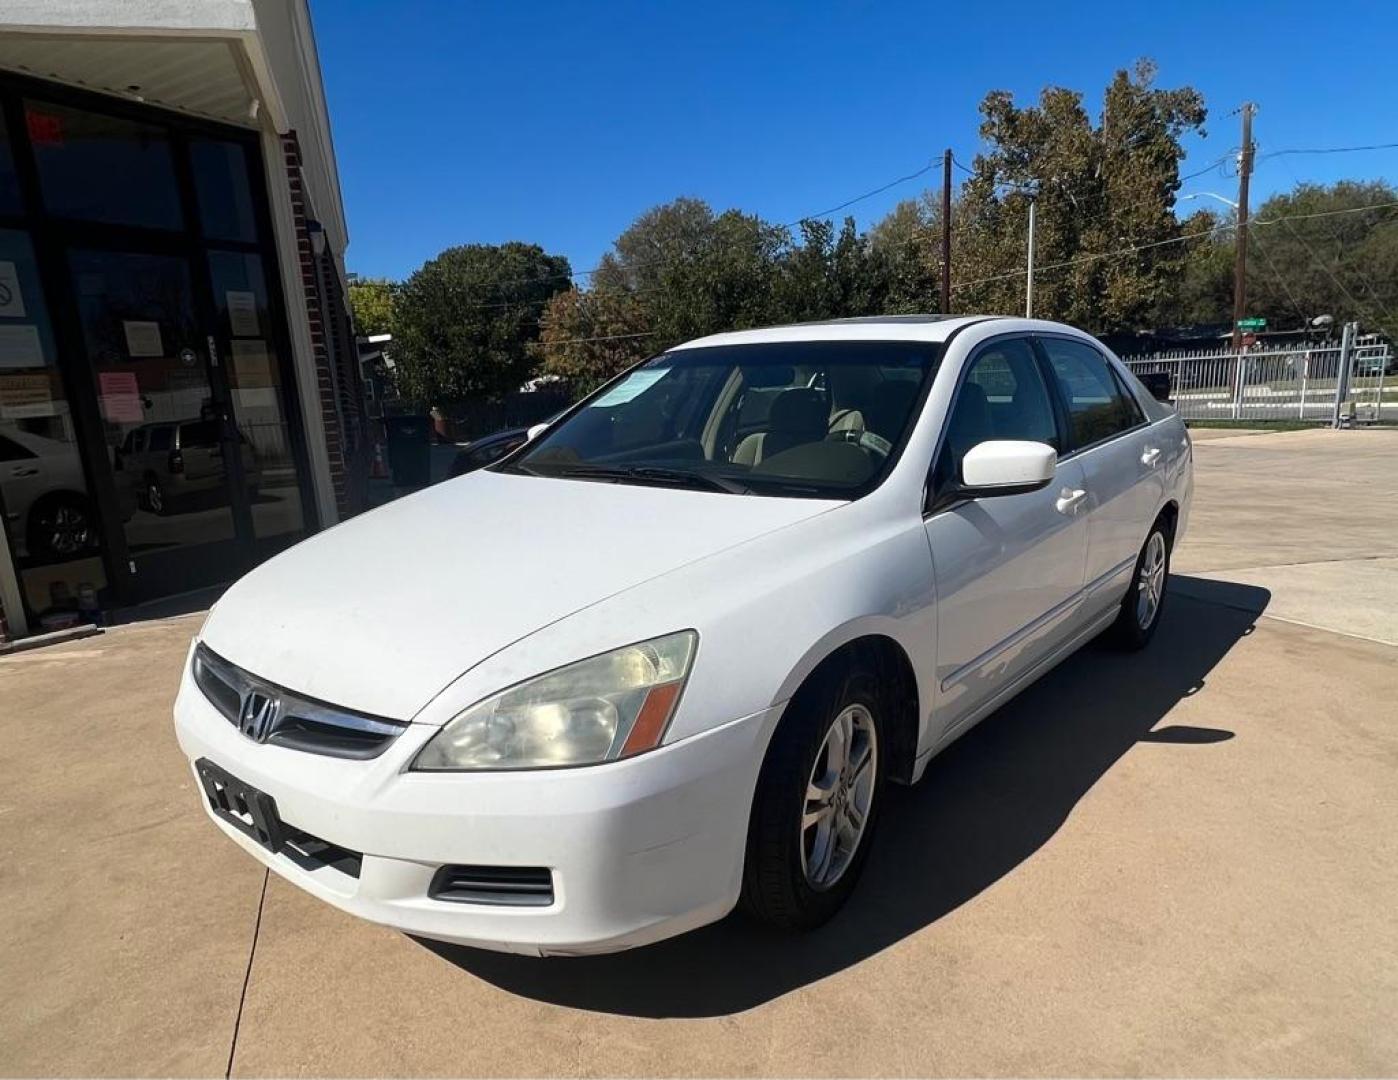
point(160, 413)
point(260, 409)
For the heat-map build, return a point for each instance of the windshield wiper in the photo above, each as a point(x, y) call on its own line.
point(653, 474)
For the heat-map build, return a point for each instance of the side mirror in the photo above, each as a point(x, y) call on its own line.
point(1006, 467)
point(535, 431)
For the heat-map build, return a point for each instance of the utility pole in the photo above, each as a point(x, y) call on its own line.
point(1029, 279)
point(946, 233)
point(1240, 262)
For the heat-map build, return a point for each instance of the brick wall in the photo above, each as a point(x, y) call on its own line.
point(321, 326)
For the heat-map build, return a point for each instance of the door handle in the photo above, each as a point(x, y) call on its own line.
point(1068, 500)
point(23, 472)
point(1151, 456)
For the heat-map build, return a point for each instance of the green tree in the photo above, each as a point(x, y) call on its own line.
point(905, 248)
point(1099, 188)
point(586, 337)
point(694, 272)
point(829, 275)
point(464, 322)
point(1344, 263)
point(371, 302)
point(1205, 291)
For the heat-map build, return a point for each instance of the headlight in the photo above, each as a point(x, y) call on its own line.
point(600, 709)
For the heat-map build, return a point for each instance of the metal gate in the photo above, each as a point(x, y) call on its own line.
point(1292, 382)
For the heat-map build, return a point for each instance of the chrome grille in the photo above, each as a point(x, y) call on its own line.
point(267, 713)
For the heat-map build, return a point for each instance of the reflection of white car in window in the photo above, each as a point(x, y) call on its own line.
point(47, 508)
point(687, 633)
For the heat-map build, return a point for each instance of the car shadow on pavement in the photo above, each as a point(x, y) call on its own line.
point(984, 806)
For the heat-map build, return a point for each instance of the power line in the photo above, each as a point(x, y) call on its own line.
point(1281, 280)
point(539, 279)
point(1132, 249)
point(1325, 213)
point(602, 337)
point(1208, 168)
point(860, 198)
point(1329, 150)
point(1120, 252)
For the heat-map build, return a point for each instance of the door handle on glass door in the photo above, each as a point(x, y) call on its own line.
point(1151, 456)
point(1068, 500)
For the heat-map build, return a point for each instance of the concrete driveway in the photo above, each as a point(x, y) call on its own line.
point(1181, 862)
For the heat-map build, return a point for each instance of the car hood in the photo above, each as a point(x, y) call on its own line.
point(380, 613)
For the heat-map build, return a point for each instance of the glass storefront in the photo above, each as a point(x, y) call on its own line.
point(149, 441)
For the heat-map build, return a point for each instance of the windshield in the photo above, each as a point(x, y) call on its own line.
point(822, 419)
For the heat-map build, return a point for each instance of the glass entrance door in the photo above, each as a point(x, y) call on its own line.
point(178, 463)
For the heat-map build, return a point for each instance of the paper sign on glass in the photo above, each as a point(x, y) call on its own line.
point(631, 386)
point(251, 364)
point(121, 396)
point(143, 338)
point(19, 346)
point(24, 396)
point(242, 313)
point(11, 298)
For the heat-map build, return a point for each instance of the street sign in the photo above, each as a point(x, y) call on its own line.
point(1252, 324)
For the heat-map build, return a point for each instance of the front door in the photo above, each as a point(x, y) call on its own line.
point(1009, 568)
point(172, 448)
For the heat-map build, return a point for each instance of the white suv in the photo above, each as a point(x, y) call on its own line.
point(666, 656)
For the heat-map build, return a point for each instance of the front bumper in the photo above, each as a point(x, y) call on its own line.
point(639, 850)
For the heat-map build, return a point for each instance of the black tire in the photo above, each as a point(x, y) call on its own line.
point(776, 886)
point(1132, 630)
point(60, 527)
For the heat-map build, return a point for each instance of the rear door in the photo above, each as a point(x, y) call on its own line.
point(1122, 457)
point(1009, 569)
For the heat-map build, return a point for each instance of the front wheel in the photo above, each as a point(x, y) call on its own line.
point(817, 801)
point(1140, 607)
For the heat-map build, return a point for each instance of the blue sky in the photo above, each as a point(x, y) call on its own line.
point(461, 122)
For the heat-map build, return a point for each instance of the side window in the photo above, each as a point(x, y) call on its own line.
point(202, 435)
point(1003, 396)
point(12, 451)
point(160, 438)
point(1098, 405)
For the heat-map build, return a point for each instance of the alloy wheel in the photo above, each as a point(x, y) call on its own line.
point(839, 796)
point(67, 530)
point(1150, 582)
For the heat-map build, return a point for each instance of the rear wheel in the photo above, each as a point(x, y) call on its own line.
point(1140, 607)
point(817, 801)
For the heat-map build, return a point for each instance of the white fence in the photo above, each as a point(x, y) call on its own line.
point(1297, 382)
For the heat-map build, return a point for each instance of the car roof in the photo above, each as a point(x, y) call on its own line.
point(933, 328)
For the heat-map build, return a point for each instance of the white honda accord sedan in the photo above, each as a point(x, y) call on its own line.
point(665, 657)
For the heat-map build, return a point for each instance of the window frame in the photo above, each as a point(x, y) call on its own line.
point(1064, 406)
point(931, 499)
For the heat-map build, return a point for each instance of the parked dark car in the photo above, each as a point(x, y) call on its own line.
point(489, 448)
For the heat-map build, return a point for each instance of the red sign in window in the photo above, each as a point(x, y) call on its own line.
point(45, 129)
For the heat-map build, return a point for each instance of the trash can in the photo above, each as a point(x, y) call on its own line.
point(409, 450)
